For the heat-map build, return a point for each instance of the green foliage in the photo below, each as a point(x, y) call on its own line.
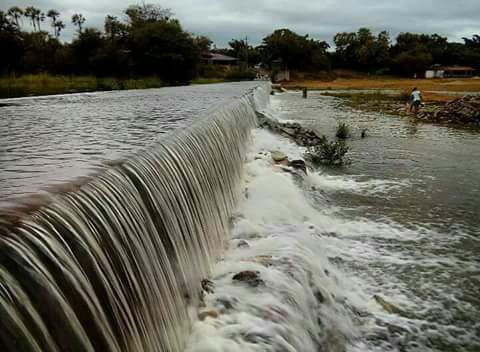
point(411, 54)
point(343, 131)
point(362, 50)
point(327, 153)
point(149, 43)
point(44, 84)
point(295, 51)
point(239, 74)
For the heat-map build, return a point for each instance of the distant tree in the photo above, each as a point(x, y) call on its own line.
point(85, 49)
point(53, 15)
point(164, 49)
point(473, 43)
point(203, 43)
point(141, 14)
point(31, 13)
point(361, 50)
point(78, 20)
point(433, 44)
point(294, 51)
point(40, 17)
point(16, 14)
point(114, 28)
point(11, 44)
point(40, 51)
point(59, 26)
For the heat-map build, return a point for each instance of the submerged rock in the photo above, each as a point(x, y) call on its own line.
point(265, 260)
point(298, 165)
point(243, 244)
point(207, 313)
point(278, 156)
point(302, 136)
point(252, 278)
point(208, 286)
point(389, 307)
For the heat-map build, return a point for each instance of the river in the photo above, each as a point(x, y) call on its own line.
point(46, 141)
point(379, 255)
point(393, 239)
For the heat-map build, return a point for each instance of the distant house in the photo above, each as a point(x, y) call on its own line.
point(219, 59)
point(438, 71)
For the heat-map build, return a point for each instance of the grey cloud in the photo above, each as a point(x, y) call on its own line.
point(223, 20)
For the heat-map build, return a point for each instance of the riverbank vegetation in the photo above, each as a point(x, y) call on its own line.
point(44, 84)
point(150, 42)
point(330, 153)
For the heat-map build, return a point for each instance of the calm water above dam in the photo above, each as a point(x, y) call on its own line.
point(49, 140)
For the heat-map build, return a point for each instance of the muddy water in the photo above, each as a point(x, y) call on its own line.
point(420, 185)
point(45, 141)
point(380, 255)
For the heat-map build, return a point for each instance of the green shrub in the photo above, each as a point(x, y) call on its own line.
point(327, 153)
point(343, 131)
point(241, 75)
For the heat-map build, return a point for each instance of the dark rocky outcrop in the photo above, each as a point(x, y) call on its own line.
point(302, 136)
point(462, 111)
point(465, 110)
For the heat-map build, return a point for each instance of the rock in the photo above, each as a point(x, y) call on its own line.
point(226, 303)
point(298, 165)
point(208, 286)
point(265, 260)
point(250, 277)
point(302, 136)
point(243, 244)
point(207, 313)
point(390, 308)
point(465, 110)
point(319, 296)
point(278, 156)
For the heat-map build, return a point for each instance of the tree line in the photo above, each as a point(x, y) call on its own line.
point(151, 41)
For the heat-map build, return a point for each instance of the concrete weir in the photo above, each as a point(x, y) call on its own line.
point(116, 264)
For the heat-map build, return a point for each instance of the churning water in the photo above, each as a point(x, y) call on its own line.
point(381, 255)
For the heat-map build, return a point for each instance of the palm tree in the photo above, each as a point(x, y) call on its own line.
point(16, 13)
point(30, 13)
point(53, 15)
point(40, 17)
point(59, 25)
point(78, 20)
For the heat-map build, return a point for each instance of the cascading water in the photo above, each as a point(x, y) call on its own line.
point(116, 264)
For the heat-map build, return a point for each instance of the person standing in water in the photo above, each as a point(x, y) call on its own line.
point(416, 98)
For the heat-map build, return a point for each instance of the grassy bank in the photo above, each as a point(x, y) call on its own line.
point(43, 84)
point(440, 90)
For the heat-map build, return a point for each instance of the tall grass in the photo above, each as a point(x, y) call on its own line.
point(45, 84)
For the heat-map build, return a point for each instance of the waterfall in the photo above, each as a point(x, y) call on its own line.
point(116, 264)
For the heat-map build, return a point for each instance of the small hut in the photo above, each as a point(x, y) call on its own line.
point(439, 71)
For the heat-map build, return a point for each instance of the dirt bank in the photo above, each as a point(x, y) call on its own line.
point(441, 90)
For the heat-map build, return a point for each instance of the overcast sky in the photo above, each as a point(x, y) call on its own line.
point(223, 20)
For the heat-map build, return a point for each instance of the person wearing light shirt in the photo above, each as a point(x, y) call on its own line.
point(416, 98)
